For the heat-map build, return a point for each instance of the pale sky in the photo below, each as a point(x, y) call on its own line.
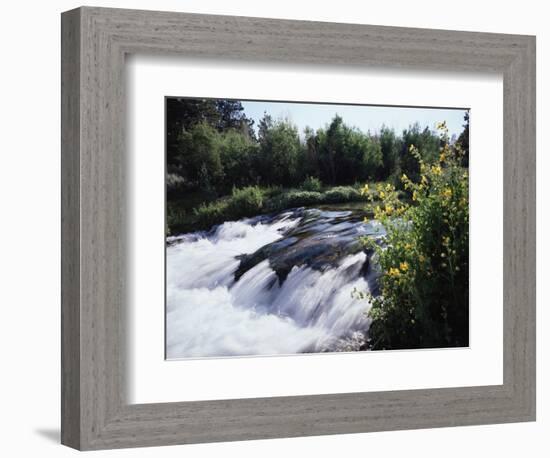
point(366, 118)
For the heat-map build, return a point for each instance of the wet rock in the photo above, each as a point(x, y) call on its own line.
point(319, 241)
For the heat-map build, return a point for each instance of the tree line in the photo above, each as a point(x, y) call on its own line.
point(212, 146)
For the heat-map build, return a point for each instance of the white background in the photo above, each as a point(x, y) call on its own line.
point(29, 250)
point(155, 380)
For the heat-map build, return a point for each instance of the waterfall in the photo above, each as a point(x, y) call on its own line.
point(212, 313)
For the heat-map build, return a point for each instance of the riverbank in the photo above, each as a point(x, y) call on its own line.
point(194, 213)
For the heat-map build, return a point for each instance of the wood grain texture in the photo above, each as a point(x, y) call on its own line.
point(95, 413)
point(70, 229)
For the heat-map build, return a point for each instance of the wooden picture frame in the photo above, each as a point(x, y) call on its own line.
point(95, 413)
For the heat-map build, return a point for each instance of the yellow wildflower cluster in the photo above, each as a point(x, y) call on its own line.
point(447, 193)
point(394, 272)
point(436, 170)
point(426, 239)
point(397, 271)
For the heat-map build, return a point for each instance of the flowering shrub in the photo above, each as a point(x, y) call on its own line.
point(424, 260)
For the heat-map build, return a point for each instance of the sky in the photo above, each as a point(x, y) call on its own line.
point(366, 118)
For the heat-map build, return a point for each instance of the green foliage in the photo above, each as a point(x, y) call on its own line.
point(390, 145)
point(279, 152)
point(198, 155)
point(424, 261)
point(426, 143)
point(342, 194)
point(463, 141)
point(346, 154)
point(246, 202)
point(212, 150)
point(174, 217)
point(182, 114)
point(231, 116)
point(174, 183)
point(293, 199)
point(237, 154)
point(312, 184)
point(211, 146)
point(243, 202)
point(208, 214)
point(250, 201)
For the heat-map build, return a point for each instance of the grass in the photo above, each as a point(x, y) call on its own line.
point(188, 216)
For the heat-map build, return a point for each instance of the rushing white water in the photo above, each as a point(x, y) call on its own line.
point(211, 314)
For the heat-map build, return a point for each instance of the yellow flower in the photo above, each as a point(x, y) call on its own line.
point(404, 266)
point(424, 180)
point(415, 195)
point(394, 272)
point(365, 220)
point(404, 178)
point(408, 246)
point(389, 187)
point(389, 210)
point(365, 190)
point(436, 169)
point(447, 193)
point(382, 194)
point(442, 157)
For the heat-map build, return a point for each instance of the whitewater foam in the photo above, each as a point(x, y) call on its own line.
point(211, 314)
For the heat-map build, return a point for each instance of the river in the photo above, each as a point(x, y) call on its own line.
point(270, 285)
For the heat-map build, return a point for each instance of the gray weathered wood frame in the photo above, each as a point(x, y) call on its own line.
point(95, 413)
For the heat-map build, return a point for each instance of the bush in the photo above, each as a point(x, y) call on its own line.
point(174, 183)
point(342, 194)
point(424, 261)
point(246, 201)
point(210, 214)
point(272, 191)
point(292, 199)
point(279, 152)
point(237, 153)
point(198, 154)
point(312, 184)
point(175, 217)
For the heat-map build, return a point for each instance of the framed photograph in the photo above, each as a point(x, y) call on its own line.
point(288, 228)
